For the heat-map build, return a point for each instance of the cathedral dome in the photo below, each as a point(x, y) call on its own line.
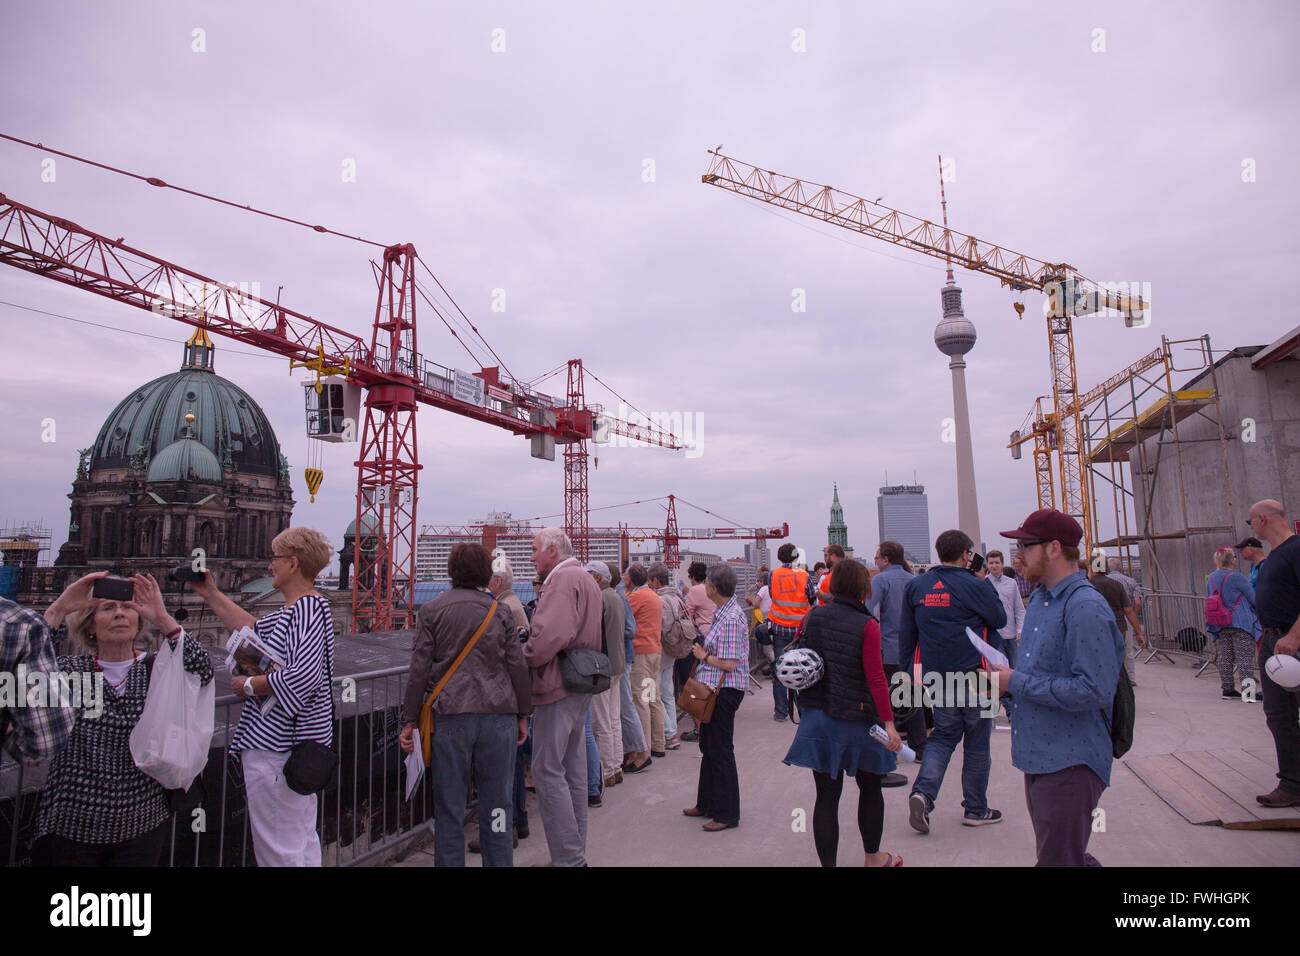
point(192, 403)
point(184, 460)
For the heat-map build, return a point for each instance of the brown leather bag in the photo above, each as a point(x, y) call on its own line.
point(699, 699)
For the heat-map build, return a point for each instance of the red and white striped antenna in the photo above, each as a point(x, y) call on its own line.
point(943, 201)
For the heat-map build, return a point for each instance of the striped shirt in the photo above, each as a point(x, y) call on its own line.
point(302, 635)
point(728, 639)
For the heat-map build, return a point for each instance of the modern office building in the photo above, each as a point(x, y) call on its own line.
point(904, 515)
point(758, 557)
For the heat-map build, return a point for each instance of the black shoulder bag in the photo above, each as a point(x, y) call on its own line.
point(584, 671)
point(311, 764)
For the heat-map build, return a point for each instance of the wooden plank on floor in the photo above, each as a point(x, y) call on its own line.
point(1268, 755)
point(1220, 768)
point(1183, 789)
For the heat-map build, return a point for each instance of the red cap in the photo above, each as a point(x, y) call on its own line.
point(1048, 525)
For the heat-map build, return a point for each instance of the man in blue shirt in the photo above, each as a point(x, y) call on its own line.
point(938, 606)
point(1252, 552)
point(886, 603)
point(1062, 689)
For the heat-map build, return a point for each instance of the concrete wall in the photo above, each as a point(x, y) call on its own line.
point(1266, 467)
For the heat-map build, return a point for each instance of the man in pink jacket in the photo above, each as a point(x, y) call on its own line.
point(567, 616)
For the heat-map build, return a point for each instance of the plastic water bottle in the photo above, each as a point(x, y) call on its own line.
point(881, 735)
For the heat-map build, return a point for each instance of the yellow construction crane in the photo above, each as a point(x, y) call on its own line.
point(1069, 294)
point(1042, 428)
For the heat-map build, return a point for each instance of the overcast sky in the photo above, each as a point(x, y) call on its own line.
point(1111, 136)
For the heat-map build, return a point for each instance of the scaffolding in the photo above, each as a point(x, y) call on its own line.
point(26, 545)
point(1135, 406)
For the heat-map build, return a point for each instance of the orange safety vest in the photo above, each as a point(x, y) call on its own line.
point(789, 597)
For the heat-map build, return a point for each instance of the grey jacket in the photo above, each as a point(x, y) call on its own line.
point(493, 679)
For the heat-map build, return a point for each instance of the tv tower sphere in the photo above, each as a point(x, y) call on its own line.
point(955, 334)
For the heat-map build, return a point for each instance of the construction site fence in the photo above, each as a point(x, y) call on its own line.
point(362, 815)
point(1174, 624)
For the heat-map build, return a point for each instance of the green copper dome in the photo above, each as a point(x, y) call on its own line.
point(193, 402)
point(185, 460)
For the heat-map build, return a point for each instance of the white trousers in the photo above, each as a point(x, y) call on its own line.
point(283, 822)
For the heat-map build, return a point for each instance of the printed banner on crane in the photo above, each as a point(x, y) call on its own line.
point(468, 388)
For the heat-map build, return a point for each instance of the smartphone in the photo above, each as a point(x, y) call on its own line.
point(114, 589)
point(976, 563)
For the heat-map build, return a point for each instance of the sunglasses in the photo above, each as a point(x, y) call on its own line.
point(1030, 544)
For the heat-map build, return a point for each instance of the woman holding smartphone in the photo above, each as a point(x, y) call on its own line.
point(97, 808)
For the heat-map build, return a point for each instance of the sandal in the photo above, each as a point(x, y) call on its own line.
point(893, 861)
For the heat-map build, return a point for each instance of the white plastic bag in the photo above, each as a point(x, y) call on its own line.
point(171, 740)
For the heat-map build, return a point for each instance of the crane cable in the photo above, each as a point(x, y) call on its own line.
point(155, 181)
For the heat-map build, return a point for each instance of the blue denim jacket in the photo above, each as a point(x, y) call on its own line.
point(1064, 682)
point(1234, 589)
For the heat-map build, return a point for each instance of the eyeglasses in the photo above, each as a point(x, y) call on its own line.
point(281, 557)
point(1030, 544)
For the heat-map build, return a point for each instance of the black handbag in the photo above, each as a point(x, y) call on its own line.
point(585, 671)
point(311, 764)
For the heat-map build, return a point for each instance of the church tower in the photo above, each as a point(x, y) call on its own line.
point(837, 532)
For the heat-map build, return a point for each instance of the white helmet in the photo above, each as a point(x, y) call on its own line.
point(799, 668)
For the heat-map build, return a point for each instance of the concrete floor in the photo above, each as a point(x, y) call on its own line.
point(641, 823)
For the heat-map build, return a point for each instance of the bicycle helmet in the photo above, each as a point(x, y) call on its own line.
point(799, 668)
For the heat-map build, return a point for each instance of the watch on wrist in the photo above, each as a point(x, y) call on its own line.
point(248, 687)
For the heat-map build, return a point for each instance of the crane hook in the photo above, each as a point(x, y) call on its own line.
point(1020, 309)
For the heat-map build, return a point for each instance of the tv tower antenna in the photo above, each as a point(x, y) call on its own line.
point(943, 201)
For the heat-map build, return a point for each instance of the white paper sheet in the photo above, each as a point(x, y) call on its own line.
point(414, 766)
point(991, 653)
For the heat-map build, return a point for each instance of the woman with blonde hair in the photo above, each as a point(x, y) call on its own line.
point(301, 634)
point(1235, 641)
point(96, 807)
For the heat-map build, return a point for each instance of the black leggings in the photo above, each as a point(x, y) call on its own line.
point(826, 814)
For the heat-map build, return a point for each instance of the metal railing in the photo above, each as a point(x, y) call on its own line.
point(362, 814)
point(1175, 624)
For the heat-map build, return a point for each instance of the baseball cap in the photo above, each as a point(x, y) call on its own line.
point(599, 568)
point(1047, 524)
point(1250, 543)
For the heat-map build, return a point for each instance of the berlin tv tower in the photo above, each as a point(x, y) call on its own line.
point(955, 336)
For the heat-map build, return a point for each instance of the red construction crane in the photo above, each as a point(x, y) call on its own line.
point(390, 368)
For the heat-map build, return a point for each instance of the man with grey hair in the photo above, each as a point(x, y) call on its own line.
point(674, 609)
point(1113, 571)
point(502, 587)
point(606, 717)
point(568, 616)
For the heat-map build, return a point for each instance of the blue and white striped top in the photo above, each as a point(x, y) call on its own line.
point(302, 635)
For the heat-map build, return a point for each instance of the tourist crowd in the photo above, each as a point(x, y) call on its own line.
point(614, 668)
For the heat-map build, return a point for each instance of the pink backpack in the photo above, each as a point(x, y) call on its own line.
point(1216, 614)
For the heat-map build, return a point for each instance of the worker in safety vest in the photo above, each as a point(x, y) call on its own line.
point(789, 605)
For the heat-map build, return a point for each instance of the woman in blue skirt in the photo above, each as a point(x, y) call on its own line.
point(839, 711)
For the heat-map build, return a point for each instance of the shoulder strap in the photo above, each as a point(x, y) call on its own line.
point(460, 658)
